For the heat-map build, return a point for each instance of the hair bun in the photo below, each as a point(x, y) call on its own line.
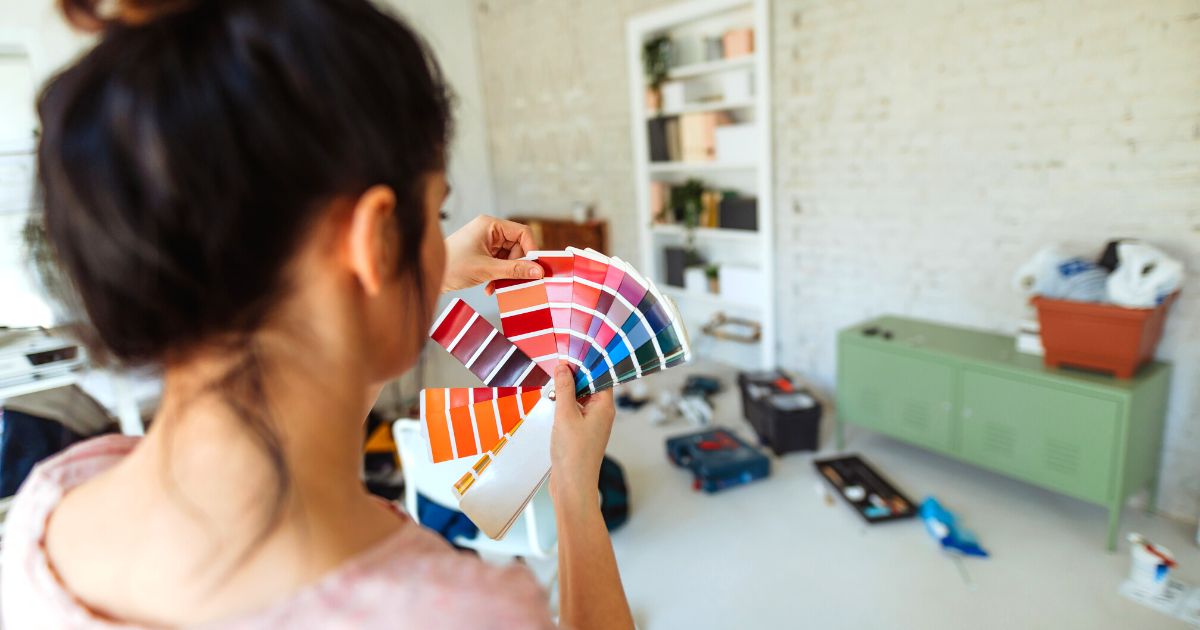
point(97, 15)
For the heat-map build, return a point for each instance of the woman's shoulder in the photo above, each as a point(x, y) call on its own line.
point(415, 579)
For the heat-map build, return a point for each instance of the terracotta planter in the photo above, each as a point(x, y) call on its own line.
point(1101, 337)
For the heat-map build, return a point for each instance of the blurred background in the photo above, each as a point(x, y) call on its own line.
point(936, 248)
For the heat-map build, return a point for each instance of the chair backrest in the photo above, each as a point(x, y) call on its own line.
point(540, 522)
point(433, 482)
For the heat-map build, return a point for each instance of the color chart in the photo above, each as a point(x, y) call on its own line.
point(596, 314)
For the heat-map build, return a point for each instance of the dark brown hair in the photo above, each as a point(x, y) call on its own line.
point(185, 157)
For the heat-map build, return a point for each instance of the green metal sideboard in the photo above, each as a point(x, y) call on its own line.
point(970, 395)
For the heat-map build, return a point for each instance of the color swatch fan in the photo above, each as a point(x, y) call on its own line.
point(593, 313)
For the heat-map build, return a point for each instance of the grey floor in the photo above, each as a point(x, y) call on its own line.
point(773, 554)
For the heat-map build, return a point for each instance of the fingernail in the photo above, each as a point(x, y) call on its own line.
point(562, 370)
point(535, 271)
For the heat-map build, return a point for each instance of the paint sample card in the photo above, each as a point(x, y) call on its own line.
point(525, 318)
point(478, 345)
point(462, 422)
point(590, 267)
point(657, 335)
point(559, 283)
point(496, 489)
point(596, 314)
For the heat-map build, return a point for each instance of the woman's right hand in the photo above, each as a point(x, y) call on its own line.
point(578, 439)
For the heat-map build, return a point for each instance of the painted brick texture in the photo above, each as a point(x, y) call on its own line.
point(924, 150)
point(557, 104)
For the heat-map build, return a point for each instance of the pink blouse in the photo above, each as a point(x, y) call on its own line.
point(412, 579)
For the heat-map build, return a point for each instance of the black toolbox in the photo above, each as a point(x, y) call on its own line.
point(786, 417)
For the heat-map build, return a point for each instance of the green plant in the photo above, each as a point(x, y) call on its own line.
point(656, 62)
point(688, 196)
point(712, 271)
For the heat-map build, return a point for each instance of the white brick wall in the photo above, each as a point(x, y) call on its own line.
point(557, 94)
point(924, 149)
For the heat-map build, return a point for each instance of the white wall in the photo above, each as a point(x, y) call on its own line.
point(34, 41)
point(926, 148)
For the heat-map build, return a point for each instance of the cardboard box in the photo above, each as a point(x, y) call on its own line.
point(739, 42)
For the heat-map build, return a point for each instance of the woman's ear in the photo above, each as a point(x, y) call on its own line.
point(372, 238)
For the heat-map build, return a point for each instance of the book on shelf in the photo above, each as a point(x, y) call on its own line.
point(656, 135)
point(674, 143)
point(698, 135)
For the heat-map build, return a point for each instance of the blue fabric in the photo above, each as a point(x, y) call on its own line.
point(26, 440)
point(449, 523)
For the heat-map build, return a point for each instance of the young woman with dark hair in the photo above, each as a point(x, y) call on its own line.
point(246, 193)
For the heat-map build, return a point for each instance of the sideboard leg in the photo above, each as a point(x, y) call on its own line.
point(840, 433)
point(1152, 496)
point(1114, 524)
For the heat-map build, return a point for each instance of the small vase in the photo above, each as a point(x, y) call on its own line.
point(653, 100)
point(714, 286)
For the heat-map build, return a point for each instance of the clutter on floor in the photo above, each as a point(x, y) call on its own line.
point(957, 541)
point(786, 417)
point(871, 495)
point(692, 403)
point(718, 459)
point(1150, 582)
point(633, 397)
point(944, 526)
point(595, 314)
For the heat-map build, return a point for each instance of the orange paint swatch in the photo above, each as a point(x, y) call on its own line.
point(485, 423)
point(435, 425)
point(464, 433)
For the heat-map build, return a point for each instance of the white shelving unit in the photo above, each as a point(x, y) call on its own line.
point(686, 23)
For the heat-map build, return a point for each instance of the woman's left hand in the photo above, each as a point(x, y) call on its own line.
point(486, 250)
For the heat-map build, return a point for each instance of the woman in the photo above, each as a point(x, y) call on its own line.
point(247, 192)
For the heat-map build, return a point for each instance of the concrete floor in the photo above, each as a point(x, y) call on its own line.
point(773, 554)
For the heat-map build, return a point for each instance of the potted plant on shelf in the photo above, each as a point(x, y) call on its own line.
point(714, 278)
point(688, 199)
point(656, 62)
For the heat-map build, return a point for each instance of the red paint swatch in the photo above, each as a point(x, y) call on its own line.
point(525, 317)
point(480, 347)
point(589, 270)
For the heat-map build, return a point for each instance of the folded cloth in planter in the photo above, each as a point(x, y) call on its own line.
point(1144, 276)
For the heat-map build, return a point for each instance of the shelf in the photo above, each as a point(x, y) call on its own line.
point(714, 106)
point(708, 67)
point(692, 167)
point(707, 233)
point(680, 295)
point(32, 385)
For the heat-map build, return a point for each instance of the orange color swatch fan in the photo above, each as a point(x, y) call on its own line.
point(594, 313)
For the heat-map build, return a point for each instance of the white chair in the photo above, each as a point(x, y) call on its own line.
point(533, 535)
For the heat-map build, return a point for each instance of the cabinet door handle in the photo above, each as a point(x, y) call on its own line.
point(966, 413)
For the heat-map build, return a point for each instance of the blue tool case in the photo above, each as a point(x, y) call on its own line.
point(718, 459)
